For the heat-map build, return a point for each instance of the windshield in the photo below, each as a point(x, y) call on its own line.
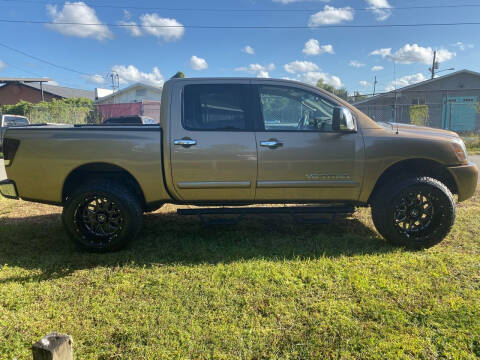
point(15, 121)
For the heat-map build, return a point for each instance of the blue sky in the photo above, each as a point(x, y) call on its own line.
point(340, 56)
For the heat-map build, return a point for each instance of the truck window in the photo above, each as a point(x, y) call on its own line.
point(215, 107)
point(292, 109)
point(15, 121)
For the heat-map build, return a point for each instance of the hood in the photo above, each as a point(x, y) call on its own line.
point(422, 130)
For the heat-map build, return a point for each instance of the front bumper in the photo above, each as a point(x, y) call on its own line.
point(8, 189)
point(466, 178)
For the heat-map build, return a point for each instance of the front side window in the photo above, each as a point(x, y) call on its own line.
point(291, 109)
point(215, 107)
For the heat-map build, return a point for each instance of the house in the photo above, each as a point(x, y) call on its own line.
point(136, 99)
point(13, 90)
point(134, 93)
point(447, 102)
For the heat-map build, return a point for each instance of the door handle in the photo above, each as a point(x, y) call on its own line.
point(272, 144)
point(185, 142)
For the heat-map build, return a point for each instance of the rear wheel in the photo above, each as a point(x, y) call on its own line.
point(102, 216)
point(415, 213)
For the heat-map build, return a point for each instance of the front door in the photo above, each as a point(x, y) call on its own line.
point(300, 157)
point(213, 149)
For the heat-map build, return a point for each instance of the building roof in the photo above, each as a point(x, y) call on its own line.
point(411, 87)
point(128, 88)
point(65, 92)
point(24, 80)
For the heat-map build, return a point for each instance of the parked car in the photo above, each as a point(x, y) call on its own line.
point(7, 120)
point(129, 120)
point(224, 142)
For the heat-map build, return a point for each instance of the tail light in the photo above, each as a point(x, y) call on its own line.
point(10, 147)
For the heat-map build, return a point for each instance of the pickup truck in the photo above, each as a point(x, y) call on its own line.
point(239, 141)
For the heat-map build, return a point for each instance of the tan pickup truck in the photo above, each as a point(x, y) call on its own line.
point(233, 142)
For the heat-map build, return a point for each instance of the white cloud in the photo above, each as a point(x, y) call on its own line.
point(131, 27)
point(377, 68)
point(405, 80)
point(462, 46)
point(248, 50)
point(165, 28)
point(197, 63)
point(2, 65)
point(413, 53)
point(381, 9)
point(364, 83)
point(257, 69)
point(130, 73)
point(382, 52)
point(356, 64)
point(312, 77)
point(313, 47)
point(95, 79)
point(77, 12)
point(300, 66)
point(331, 15)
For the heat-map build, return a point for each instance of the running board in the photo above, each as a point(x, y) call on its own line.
point(289, 210)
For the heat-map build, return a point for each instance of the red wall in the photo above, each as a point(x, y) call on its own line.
point(125, 109)
point(11, 94)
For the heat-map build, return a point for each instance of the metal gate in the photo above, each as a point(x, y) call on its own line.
point(459, 113)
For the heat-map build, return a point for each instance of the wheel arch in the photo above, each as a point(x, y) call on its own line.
point(100, 170)
point(415, 167)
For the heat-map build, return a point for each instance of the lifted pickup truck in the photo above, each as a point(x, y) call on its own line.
point(239, 142)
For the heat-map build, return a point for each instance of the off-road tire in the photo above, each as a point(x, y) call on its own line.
point(405, 199)
point(102, 216)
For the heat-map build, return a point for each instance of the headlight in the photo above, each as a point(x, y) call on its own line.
point(460, 149)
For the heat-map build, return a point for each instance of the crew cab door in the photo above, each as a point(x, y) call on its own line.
point(300, 157)
point(213, 148)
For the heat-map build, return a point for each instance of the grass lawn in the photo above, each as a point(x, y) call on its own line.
point(472, 142)
point(267, 288)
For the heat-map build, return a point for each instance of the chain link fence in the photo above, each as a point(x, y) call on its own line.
point(88, 114)
point(456, 116)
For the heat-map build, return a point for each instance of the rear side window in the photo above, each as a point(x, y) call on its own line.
point(215, 107)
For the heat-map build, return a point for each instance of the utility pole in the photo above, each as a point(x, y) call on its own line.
point(374, 85)
point(434, 64)
point(115, 78)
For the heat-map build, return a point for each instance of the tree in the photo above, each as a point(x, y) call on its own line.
point(340, 92)
point(178, 75)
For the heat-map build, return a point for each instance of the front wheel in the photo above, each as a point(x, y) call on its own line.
point(102, 216)
point(415, 213)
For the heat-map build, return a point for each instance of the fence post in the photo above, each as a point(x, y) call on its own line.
point(53, 346)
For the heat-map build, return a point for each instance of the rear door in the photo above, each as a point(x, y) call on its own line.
point(300, 157)
point(213, 148)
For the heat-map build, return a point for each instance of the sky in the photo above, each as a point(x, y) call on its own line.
point(128, 39)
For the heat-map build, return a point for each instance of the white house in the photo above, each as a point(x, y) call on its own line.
point(134, 93)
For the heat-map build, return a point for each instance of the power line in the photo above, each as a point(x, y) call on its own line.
point(272, 27)
point(240, 10)
point(44, 61)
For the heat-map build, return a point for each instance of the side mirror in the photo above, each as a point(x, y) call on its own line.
point(343, 120)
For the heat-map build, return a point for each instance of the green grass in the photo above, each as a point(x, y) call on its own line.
point(472, 142)
point(267, 288)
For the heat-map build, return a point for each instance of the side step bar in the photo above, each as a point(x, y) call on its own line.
point(270, 210)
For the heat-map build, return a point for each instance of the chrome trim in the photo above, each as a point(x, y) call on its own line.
point(213, 184)
point(185, 142)
point(306, 184)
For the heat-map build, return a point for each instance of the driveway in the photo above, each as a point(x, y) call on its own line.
point(3, 175)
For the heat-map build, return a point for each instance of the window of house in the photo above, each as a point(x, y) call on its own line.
point(291, 109)
point(418, 100)
point(140, 92)
point(215, 107)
